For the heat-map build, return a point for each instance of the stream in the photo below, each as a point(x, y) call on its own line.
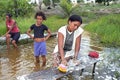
point(16, 62)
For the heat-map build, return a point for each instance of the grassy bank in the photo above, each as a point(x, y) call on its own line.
point(106, 29)
point(53, 22)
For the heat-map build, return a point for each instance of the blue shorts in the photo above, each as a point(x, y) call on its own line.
point(40, 48)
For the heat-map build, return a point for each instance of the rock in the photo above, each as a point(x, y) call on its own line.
point(24, 38)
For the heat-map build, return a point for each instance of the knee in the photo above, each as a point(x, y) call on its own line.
point(7, 36)
point(13, 41)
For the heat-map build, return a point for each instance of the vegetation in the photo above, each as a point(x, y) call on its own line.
point(16, 7)
point(107, 29)
point(66, 6)
point(53, 22)
point(47, 2)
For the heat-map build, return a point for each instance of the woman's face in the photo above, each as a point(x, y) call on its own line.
point(73, 25)
point(39, 20)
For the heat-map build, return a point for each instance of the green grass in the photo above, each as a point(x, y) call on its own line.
point(107, 29)
point(98, 7)
point(53, 23)
point(25, 23)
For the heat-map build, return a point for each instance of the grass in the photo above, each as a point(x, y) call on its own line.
point(107, 29)
point(53, 23)
point(90, 7)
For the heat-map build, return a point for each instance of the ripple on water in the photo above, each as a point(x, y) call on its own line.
point(18, 62)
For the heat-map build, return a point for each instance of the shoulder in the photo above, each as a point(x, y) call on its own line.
point(79, 31)
point(62, 29)
point(43, 25)
point(33, 25)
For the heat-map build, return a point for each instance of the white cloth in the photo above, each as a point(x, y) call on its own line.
point(63, 31)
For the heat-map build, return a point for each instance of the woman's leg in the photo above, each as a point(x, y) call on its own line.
point(8, 40)
point(15, 38)
point(14, 43)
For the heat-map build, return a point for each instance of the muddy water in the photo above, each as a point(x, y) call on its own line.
point(16, 62)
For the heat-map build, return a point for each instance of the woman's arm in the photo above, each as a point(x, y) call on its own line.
point(60, 48)
point(77, 46)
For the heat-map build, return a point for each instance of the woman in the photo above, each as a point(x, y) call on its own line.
point(12, 31)
point(69, 38)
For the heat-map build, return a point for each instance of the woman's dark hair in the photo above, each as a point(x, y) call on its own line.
point(40, 14)
point(9, 15)
point(75, 18)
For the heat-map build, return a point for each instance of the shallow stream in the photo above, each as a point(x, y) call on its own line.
point(16, 62)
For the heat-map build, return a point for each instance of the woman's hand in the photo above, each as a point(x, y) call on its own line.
point(75, 57)
point(64, 61)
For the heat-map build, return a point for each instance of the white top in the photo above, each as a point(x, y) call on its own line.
point(62, 30)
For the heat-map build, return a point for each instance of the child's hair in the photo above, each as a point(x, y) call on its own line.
point(75, 18)
point(9, 15)
point(40, 14)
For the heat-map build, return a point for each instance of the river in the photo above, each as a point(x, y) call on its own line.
point(17, 62)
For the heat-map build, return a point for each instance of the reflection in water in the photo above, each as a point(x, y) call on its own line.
point(9, 63)
point(16, 62)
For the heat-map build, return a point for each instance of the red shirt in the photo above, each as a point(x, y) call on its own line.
point(9, 25)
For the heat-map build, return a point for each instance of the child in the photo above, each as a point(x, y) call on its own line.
point(69, 38)
point(12, 31)
point(39, 39)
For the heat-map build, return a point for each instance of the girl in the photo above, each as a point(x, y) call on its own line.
point(39, 38)
point(12, 31)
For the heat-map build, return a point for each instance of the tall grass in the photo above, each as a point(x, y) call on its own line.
point(55, 22)
point(24, 23)
point(107, 29)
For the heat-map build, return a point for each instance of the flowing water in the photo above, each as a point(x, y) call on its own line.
point(17, 62)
